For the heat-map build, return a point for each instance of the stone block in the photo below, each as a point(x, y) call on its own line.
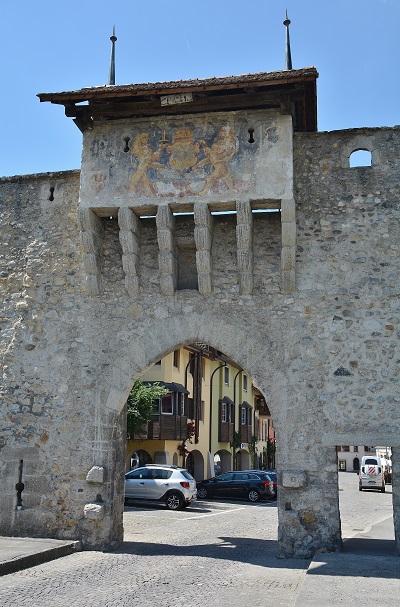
point(164, 217)
point(246, 283)
point(288, 258)
point(128, 220)
point(165, 239)
point(288, 211)
point(288, 234)
point(202, 215)
point(203, 238)
point(204, 282)
point(167, 284)
point(90, 262)
point(243, 210)
point(130, 263)
point(129, 241)
point(244, 236)
point(93, 284)
point(166, 262)
point(288, 281)
point(96, 475)
point(245, 260)
point(94, 511)
point(132, 285)
point(294, 479)
point(203, 261)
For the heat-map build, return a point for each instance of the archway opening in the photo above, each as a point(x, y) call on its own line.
point(365, 498)
point(211, 417)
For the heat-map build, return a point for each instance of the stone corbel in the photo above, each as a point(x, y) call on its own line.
point(91, 232)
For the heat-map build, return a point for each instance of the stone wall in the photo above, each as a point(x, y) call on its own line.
point(324, 356)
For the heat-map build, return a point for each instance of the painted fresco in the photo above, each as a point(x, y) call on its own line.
point(190, 158)
point(187, 164)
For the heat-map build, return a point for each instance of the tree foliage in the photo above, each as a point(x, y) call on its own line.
point(140, 405)
point(253, 450)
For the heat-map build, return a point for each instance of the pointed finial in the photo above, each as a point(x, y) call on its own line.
point(111, 73)
point(288, 54)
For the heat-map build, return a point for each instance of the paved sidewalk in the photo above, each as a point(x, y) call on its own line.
point(343, 578)
point(18, 553)
point(349, 578)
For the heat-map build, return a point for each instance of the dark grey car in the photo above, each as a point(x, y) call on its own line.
point(238, 484)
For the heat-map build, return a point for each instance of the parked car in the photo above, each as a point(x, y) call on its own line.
point(273, 476)
point(161, 483)
point(239, 484)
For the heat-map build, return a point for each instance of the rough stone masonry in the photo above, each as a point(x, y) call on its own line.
point(100, 278)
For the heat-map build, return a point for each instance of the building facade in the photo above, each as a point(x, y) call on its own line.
point(211, 420)
point(204, 211)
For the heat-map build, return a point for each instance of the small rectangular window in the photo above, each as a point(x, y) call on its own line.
point(226, 376)
point(244, 417)
point(167, 404)
point(245, 383)
point(182, 396)
point(176, 359)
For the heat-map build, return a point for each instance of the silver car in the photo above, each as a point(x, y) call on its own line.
point(162, 483)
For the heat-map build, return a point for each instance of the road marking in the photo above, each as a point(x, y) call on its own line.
point(212, 514)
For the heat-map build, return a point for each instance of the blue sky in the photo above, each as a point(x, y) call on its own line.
point(49, 46)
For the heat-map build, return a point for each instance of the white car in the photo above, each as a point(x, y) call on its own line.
point(161, 483)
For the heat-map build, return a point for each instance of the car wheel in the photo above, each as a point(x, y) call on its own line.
point(253, 495)
point(202, 493)
point(174, 501)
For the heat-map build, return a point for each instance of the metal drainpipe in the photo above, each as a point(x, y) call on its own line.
point(211, 405)
point(234, 417)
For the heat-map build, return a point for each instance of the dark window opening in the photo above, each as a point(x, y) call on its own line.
point(187, 268)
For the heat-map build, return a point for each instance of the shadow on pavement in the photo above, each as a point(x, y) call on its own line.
point(370, 546)
point(263, 553)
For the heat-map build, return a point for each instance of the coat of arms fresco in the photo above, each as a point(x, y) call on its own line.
point(190, 162)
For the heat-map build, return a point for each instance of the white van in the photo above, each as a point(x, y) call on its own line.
point(372, 473)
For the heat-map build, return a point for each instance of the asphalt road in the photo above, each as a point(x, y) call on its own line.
point(214, 553)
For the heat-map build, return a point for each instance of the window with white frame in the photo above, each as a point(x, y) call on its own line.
point(245, 383)
point(244, 416)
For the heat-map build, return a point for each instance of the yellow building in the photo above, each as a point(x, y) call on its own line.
point(208, 419)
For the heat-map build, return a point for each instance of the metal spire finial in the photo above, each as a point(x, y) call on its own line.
point(111, 73)
point(288, 54)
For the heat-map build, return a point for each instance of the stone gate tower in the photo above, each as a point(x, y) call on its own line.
point(205, 210)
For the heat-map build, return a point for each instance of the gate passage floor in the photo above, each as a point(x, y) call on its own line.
point(221, 553)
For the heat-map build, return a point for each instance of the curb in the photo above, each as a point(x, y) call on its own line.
point(38, 558)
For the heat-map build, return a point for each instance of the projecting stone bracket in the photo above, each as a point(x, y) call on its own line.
point(288, 253)
point(94, 511)
point(96, 475)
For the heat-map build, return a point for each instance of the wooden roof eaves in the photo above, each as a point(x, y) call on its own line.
point(181, 86)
